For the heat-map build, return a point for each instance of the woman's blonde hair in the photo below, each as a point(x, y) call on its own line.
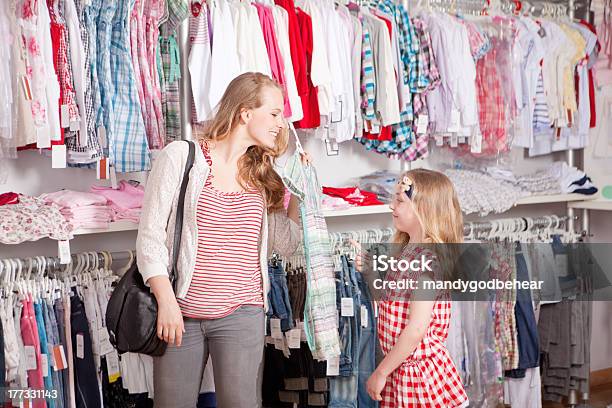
point(255, 167)
point(437, 208)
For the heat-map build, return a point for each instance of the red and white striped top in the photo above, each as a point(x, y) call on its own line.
point(227, 274)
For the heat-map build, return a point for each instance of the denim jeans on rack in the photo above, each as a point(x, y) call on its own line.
point(59, 318)
point(278, 297)
point(44, 349)
point(343, 388)
point(53, 340)
point(367, 346)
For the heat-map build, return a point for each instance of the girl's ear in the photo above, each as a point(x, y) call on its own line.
point(245, 116)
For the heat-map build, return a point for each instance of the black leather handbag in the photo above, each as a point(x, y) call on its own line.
point(131, 315)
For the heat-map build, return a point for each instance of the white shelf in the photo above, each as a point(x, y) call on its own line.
point(598, 205)
point(553, 198)
point(116, 226)
point(367, 210)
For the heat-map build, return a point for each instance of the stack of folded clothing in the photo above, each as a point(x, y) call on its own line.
point(353, 196)
point(381, 182)
point(572, 180)
point(82, 210)
point(125, 201)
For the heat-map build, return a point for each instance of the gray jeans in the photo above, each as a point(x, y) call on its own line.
point(235, 344)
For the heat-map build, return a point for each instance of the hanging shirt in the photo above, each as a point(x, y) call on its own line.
point(281, 29)
point(310, 101)
point(251, 44)
point(128, 147)
point(276, 60)
point(298, 52)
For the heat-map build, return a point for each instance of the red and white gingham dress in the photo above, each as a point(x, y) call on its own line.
point(428, 378)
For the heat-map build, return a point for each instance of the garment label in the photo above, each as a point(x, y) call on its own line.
point(113, 178)
point(294, 337)
point(43, 138)
point(462, 139)
point(376, 310)
point(102, 137)
point(103, 169)
point(59, 357)
point(333, 366)
point(364, 316)
point(279, 344)
point(105, 345)
point(275, 328)
point(30, 354)
point(25, 85)
point(58, 157)
point(439, 140)
point(269, 341)
point(44, 361)
point(476, 145)
point(347, 307)
point(80, 346)
point(63, 249)
point(454, 140)
point(300, 325)
point(64, 116)
point(455, 122)
point(112, 366)
point(422, 122)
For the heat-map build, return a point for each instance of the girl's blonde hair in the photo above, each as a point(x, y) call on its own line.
point(255, 167)
point(437, 208)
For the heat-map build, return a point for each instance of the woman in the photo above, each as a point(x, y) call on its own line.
point(234, 218)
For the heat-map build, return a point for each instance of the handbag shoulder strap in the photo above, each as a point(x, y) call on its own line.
point(178, 229)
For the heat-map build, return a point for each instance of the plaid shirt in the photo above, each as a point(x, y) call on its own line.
point(93, 150)
point(91, 14)
point(103, 64)
point(320, 311)
point(156, 10)
point(491, 109)
point(128, 147)
point(368, 76)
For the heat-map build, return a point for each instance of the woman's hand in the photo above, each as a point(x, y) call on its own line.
point(306, 158)
point(170, 325)
point(375, 385)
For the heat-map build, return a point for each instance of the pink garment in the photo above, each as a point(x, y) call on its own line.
point(125, 197)
point(276, 59)
point(29, 333)
point(73, 199)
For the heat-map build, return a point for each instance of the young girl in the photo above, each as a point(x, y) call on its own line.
point(417, 370)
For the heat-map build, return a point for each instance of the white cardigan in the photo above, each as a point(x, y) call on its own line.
point(157, 221)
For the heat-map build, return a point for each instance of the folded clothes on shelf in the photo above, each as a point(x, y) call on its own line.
point(353, 195)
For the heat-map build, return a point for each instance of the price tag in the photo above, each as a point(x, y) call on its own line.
point(439, 140)
point(102, 137)
point(293, 338)
point(453, 141)
point(102, 169)
point(476, 146)
point(44, 361)
point(347, 307)
point(302, 332)
point(275, 328)
point(30, 354)
point(375, 310)
point(333, 366)
point(112, 366)
point(59, 357)
point(113, 178)
point(422, 123)
point(105, 345)
point(279, 344)
point(43, 138)
point(63, 249)
point(58, 156)
point(80, 346)
point(364, 316)
point(64, 116)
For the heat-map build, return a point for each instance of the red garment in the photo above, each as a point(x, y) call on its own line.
point(310, 103)
point(591, 79)
point(9, 198)
point(298, 50)
point(386, 133)
point(353, 195)
point(276, 59)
